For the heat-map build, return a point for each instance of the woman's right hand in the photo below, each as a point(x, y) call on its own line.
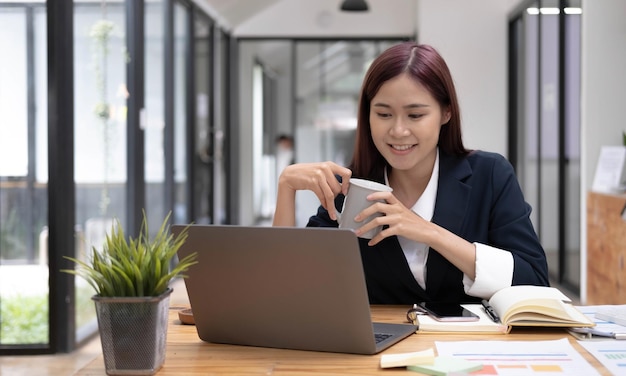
point(320, 178)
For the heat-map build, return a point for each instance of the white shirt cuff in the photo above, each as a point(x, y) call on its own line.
point(494, 271)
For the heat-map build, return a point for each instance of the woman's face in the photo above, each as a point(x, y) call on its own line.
point(405, 121)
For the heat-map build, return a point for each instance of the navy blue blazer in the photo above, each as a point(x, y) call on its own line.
point(480, 200)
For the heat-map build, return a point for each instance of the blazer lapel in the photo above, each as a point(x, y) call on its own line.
point(450, 212)
point(392, 254)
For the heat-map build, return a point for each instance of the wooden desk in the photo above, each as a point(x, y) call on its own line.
point(187, 355)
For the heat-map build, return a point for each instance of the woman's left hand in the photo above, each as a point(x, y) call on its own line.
point(399, 219)
point(408, 224)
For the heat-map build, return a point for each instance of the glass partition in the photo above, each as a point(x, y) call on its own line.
point(154, 112)
point(545, 130)
point(328, 80)
point(23, 177)
point(203, 141)
point(99, 135)
point(306, 90)
point(572, 144)
point(548, 137)
point(181, 116)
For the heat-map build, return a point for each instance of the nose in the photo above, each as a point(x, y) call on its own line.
point(399, 128)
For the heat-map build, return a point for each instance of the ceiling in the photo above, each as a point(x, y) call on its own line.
point(232, 13)
point(266, 22)
point(319, 18)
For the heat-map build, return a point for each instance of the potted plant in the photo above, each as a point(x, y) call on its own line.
point(131, 278)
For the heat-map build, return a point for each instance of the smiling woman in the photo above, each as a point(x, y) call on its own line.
point(456, 226)
point(405, 122)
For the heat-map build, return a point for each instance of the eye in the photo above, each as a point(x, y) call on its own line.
point(383, 115)
point(415, 116)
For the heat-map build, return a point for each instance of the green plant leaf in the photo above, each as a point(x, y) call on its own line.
point(134, 266)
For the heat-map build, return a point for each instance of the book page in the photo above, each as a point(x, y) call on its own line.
point(506, 299)
point(545, 312)
point(536, 310)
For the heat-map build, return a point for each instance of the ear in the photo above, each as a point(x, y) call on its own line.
point(446, 114)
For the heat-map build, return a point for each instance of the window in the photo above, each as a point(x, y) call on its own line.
point(23, 178)
point(545, 126)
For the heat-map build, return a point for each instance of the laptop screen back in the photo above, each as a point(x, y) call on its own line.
point(296, 288)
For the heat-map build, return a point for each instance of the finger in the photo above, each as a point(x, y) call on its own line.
point(383, 196)
point(384, 233)
point(332, 181)
point(327, 198)
point(345, 174)
point(370, 224)
point(376, 239)
point(331, 170)
point(329, 208)
point(376, 207)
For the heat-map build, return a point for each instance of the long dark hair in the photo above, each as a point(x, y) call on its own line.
point(424, 64)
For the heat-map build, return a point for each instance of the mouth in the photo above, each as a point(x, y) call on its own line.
point(402, 147)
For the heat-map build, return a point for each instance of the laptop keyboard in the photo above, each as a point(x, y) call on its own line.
point(379, 337)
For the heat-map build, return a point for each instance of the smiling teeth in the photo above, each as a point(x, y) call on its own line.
point(402, 147)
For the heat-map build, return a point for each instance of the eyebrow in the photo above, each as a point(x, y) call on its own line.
point(409, 106)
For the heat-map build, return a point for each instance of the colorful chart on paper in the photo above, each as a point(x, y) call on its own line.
point(520, 358)
point(611, 353)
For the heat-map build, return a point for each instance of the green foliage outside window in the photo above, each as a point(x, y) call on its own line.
point(25, 318)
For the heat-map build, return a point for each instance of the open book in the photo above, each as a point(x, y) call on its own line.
point(516, 306)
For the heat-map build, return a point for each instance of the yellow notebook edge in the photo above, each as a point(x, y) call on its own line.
point(506, 330)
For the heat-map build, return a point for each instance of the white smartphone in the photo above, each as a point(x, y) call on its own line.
point(444, 311)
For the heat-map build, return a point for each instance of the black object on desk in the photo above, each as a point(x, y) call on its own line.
point(489, 310)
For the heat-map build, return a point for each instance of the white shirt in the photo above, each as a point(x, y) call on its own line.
point(494, 266)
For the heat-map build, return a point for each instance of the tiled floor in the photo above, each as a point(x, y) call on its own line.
point(68, 364)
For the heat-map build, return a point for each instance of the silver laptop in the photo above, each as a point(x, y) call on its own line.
point(290, 288)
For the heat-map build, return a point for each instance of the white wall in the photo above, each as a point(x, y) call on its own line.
point(603, 79)
point(472, 38)
point(603, 94)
